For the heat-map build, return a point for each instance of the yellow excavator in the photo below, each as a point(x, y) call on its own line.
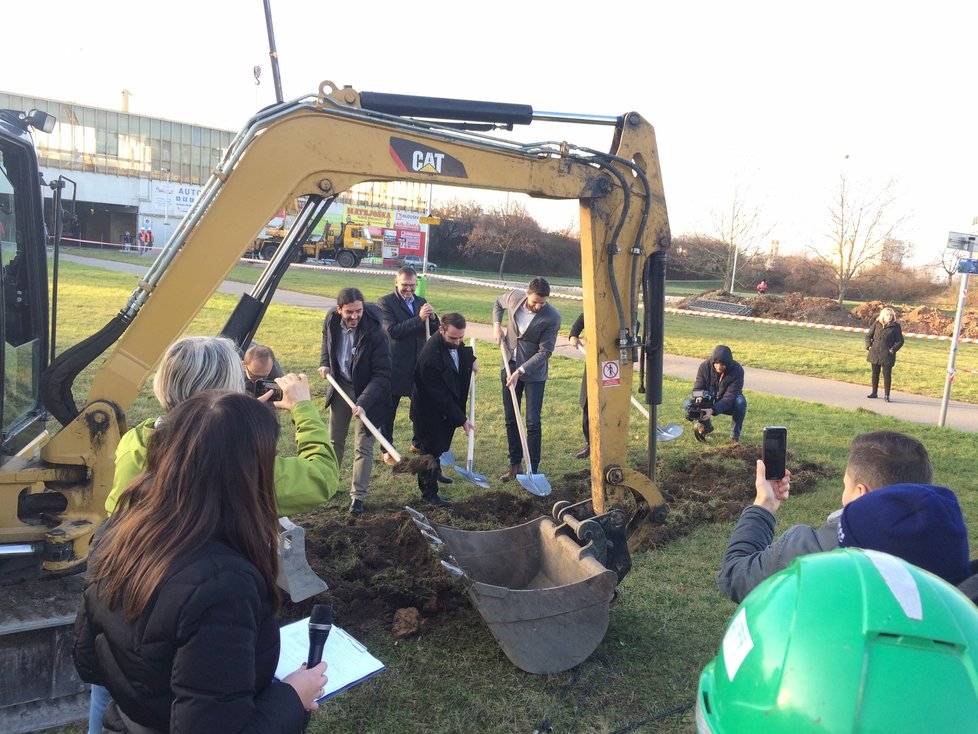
point(53, 487)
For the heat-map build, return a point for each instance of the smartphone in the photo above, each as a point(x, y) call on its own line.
point(775, 451)
point(263, 386)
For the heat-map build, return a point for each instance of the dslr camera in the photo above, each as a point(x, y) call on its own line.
point(694, 406)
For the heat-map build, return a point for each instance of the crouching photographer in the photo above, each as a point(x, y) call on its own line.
point(722, 379)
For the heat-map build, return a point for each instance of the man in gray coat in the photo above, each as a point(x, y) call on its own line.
point(530, 337)
point(876, 460)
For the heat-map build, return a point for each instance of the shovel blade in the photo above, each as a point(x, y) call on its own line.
point(447, 460)
point(469, 476)
point(669, 432)
point(535, 484)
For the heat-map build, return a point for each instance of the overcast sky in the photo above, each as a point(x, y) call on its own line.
point(775, 96)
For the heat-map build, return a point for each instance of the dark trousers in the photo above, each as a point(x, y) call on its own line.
point(388, 428)
point(428, 480)
point(887, 370)
point(586, 426)
point(534, 406)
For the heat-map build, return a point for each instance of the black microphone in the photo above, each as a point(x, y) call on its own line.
point(320, 624)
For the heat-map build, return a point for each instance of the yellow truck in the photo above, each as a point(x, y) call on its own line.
point(347, 248)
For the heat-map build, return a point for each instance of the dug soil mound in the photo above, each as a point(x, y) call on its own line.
point(378, 564)
point(799, 307)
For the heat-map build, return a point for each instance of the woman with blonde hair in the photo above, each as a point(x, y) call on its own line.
point(883, 341)
point(178, 621)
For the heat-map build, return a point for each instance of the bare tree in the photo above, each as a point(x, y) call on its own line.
point(739, 228)
point(862, 228)
point(948, 262)
point(505, 229)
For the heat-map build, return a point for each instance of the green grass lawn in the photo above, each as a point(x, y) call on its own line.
point(670, 618)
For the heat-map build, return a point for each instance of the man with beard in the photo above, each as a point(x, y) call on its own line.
point(354, 351)
point(531, 335)
point(441, 389)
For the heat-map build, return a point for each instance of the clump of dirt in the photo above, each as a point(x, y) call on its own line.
point(379, 563)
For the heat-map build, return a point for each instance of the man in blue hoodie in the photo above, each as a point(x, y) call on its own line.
point(888, 504)
point(723, 377)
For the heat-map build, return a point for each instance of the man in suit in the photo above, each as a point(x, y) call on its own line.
point(441, 389)
point(408, 321)
point(530, 337)
point(354, 351)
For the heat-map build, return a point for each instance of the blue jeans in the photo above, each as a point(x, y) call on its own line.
point(738, 411)
point(100, 699)
point(534, 406)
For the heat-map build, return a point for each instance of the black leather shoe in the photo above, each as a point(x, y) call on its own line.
point(886, 398)
point(872, 395)
point(356, 508)
point(443, 479)
point(436, 501)
point(583, 453)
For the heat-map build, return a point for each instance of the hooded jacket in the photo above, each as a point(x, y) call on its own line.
point(302, 482)
point(920, 523)
point(725, 388)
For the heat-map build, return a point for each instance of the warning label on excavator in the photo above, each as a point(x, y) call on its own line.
point(610, 376)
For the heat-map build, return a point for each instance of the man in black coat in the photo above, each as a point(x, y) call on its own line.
point(723, 376)
point(441, 389)
point(408, 321)
point(355, 352)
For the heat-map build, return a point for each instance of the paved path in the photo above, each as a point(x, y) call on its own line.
point(906, 406)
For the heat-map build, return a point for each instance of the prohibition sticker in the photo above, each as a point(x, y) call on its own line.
point(610, 376)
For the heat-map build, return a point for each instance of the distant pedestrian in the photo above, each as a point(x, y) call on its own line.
point(883, 341)
point(126, 242)
point(141, 240)
point(762, 288)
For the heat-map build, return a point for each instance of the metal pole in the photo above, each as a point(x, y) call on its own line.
point(166, 207)
point(733, 272)
point(273, 54)
point(962, 297)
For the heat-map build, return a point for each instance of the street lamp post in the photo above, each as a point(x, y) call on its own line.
point(166, 207)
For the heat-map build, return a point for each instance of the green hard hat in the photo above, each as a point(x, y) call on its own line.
point(847, 641)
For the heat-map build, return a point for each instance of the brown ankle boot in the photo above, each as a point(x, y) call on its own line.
point(510, 473)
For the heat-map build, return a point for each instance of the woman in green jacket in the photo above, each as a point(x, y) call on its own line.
point(198, 363)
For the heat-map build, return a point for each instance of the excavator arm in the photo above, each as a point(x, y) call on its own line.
point(319, 147)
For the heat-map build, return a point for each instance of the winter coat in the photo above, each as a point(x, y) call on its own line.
point(371, 365)
point(725, 388)
point(302, 482)
point(440, 394)
point(883, 342)
point(752, 553)
point(406, 336)
point(202, 655)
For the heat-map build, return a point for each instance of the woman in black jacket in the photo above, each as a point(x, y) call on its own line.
point(883, 341)
point(178, 621)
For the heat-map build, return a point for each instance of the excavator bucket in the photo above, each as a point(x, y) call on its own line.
point(295, 577)
point(544, 587)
